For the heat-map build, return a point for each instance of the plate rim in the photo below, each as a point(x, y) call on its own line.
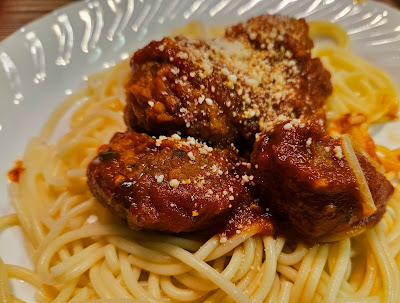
point(71, 6)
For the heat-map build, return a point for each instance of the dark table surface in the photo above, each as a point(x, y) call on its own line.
point(16, 13)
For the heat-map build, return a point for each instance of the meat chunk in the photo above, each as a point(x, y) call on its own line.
point(169, 184)
point(226, 90)
point(305, 177)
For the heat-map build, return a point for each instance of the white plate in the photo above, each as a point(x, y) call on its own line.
point(50, 58)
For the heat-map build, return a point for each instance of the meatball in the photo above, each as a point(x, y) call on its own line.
point(168, 183)
point(227, 90)
point(305, 178)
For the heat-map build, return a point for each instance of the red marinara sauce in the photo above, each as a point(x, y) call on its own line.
point(15, 173)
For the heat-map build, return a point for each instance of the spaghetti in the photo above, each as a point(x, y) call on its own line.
point(82, 253)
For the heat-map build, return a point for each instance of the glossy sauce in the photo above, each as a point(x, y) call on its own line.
point(15, 173)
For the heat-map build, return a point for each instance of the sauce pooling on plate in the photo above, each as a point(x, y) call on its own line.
point(15, 173)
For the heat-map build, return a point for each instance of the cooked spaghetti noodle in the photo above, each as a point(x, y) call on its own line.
point(82, 253)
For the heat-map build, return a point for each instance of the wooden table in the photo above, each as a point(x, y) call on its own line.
point(16, 13)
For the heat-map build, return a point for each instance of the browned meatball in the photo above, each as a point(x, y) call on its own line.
point(226, 90)
point(169, 184)
point(308, 181)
